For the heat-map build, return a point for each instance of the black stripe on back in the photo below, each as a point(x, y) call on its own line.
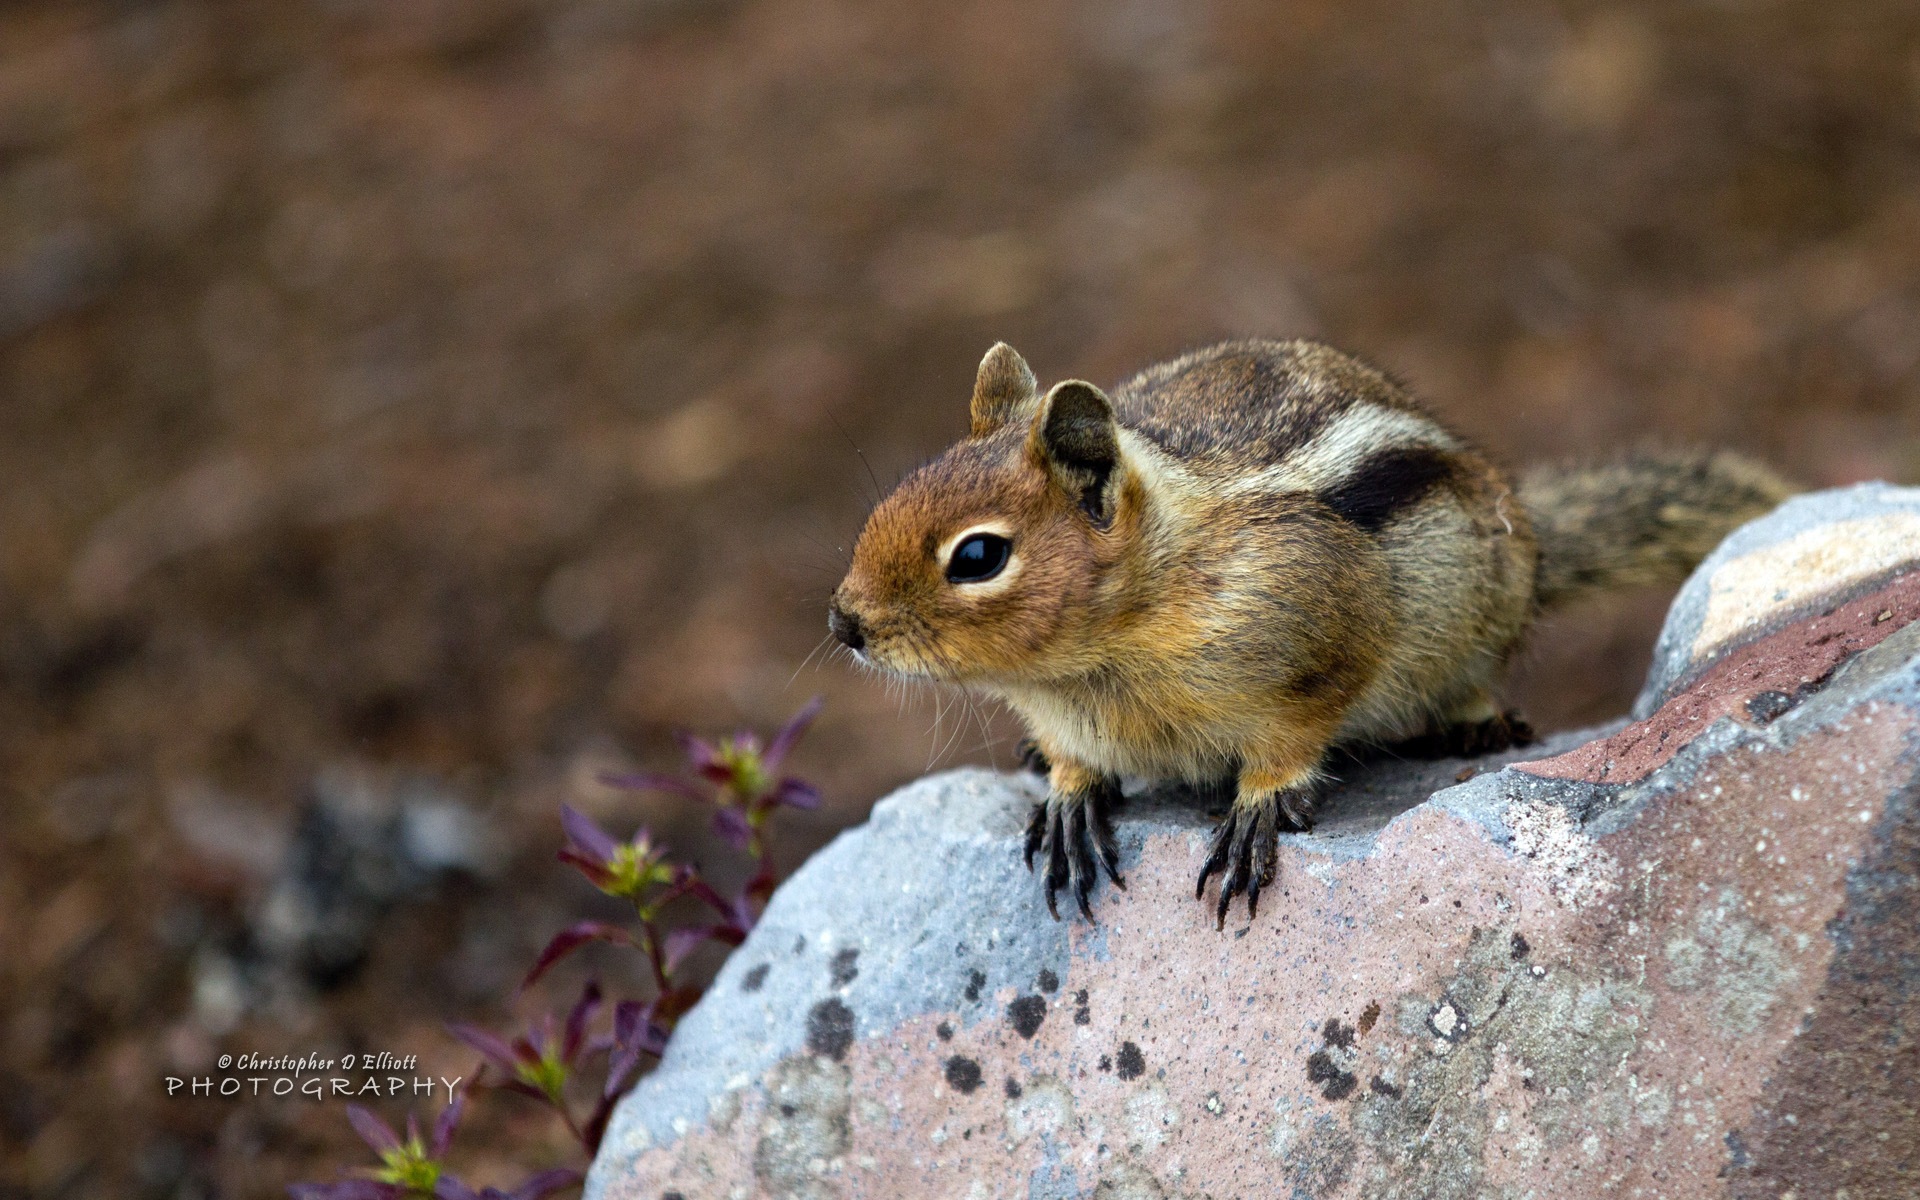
point(1387, 483)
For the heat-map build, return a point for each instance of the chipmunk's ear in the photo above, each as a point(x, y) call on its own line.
point(1076, 437)
point(1004, 389)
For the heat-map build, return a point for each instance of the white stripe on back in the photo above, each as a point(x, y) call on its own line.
point(1338, 449)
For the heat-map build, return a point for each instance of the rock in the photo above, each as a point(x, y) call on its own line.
point(1813, 552)
point(1766, 621)
point(362, 844)
point(1678, 959)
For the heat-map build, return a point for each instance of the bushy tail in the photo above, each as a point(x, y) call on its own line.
point(1648, 518)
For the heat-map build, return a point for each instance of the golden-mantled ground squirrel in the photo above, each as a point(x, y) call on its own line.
point(1241, 560)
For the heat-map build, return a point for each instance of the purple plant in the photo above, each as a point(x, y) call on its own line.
point(541, 1062)
point(411, 1168)
point(545, 1061)
point(749, 788)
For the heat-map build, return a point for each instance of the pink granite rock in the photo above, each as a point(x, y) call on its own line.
point(1697, 976)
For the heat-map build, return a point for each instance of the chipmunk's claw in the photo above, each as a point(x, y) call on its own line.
point(1066, 831)
point(1109, 851)
point(1246, 848)
point(1036, 832)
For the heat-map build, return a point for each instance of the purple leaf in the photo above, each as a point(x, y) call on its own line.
point(619, 1069)
point(740, 908)
point(572, 938)
point(584, 834)
point(443, 1128)
point(796, 793)
point(731, 826)
point(630, 1017)
point(684, 941)
point(702, 755)
point(583, 1010)
point(498, 1051)
point(791, 732)
point(449, 1188)
point(691, 884)
point(540, 1035)
point(594, 869)
point(634, 1033)
point(372, 1130)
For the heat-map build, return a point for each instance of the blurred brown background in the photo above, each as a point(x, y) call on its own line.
point(411, 408)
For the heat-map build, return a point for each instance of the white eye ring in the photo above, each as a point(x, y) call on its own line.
point(994, 538)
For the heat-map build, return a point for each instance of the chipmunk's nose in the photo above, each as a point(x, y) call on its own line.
point(845, 626)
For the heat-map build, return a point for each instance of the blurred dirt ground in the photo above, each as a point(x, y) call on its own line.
point(411, 408)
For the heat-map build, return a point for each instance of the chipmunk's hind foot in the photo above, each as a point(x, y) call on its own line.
point(1246, 846)
point(1066, 830)
point(1469, 739)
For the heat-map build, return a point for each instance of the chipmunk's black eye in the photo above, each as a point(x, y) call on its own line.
point(978, 558)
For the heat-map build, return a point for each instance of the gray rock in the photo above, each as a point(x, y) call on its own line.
point(1680, 956)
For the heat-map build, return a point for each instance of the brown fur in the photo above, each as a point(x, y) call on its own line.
point(1239, 560)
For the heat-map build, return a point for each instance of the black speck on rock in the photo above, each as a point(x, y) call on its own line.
point(1013, 1088)
point(1130, 1062)
point(1381, 1087)
point(753, 979)
point(1521, 947)
point(975, 981)
point(830, 1029)
point(1026, 1013)
point(963, 1074)
point(1337, 1034)
point(1335, 1084)
point(1768, 705)
point(1082, 1009)
point(944, 1031)
point(845, 966)
point(1106, 1062)
point(1739, 1158)
point(673, 1196)
point(1047, 981)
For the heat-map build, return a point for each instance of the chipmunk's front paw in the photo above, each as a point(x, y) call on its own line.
point(1065, 830)
point(1246, 846)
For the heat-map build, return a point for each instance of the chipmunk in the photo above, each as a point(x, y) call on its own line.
point(1239, 561)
